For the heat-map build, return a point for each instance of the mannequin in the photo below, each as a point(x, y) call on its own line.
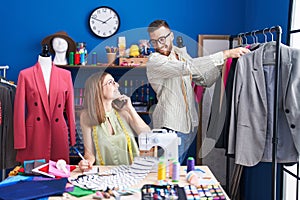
point(44, 117)
point(45, 62)
point(60, 46)
point(179, 42)
point(44, 114)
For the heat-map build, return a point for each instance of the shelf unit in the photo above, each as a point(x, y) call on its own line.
point(132, 80)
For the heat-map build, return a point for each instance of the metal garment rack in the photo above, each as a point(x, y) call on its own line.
point(4, 68)
point(278, 31)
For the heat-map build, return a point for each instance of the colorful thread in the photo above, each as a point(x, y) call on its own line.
point(94, 58)
point(161, 171)
point(190, 164)
point(170, 167)
point(175, 171)
point(71, 58)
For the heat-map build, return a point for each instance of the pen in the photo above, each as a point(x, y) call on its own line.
point(78, 152)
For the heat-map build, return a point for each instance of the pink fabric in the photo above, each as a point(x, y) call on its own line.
point(57, 172)
point(226, 71)
point(198, 90)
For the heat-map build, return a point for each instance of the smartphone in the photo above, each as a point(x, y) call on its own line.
point(119, 103)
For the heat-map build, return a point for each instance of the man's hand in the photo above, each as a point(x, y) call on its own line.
point(235, 53)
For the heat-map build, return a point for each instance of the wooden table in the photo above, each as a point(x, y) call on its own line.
point(150, 179)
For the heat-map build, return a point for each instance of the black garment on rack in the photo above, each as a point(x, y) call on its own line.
point(7, 151)
point(222, 140)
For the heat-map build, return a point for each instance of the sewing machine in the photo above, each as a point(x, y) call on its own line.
point(169, 141)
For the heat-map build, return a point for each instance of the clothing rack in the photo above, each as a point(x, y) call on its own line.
point(4, 68)
point(278, 31)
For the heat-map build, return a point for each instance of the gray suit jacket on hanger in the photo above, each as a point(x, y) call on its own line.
point(249, 111)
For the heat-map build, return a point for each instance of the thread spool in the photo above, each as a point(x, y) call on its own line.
point(192, 178)
point(161, 171)
point(82, 59)
point(94, 58)
point(175, 171)
point(77, 59)
point(190, 164)
point(71, 58)
point(170, 167)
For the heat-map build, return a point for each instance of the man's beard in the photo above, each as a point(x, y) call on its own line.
point(164, 50)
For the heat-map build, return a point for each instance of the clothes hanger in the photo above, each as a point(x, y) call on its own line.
point(269, 54)
point(265, 35)
point(272, 37)
point(253, 38)
point(256, 38)
point(3, 80)
point(255, 44)
point(246, 39)
point(240, 39)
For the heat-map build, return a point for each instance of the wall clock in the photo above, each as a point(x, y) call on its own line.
point(104, 21)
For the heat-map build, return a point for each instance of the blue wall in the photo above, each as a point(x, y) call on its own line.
point(23, 24)
point(266, 13)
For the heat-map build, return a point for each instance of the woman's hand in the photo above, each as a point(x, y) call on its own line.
point(235, 53)
point(85, 165)
point(127, 106)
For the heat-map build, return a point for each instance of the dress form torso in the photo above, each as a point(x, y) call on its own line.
point(46, 66)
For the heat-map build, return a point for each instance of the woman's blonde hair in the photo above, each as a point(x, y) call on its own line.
point(93, 98)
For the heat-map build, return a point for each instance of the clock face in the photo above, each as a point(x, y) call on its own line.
point(104, 21)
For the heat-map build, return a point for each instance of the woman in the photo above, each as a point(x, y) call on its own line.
point(108, 130)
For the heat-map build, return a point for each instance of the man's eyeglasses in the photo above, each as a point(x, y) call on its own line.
point(110, 82)
point(161, 40)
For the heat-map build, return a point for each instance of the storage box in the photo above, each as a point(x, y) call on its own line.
point(133, 61)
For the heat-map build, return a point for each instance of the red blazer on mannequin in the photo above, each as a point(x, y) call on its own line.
point(40, 129)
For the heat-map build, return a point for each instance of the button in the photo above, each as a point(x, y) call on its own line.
point(59, 105)
point(293, 126)
point(287, 110)
point(38, 118)
point(35, 103)
point(56, 119)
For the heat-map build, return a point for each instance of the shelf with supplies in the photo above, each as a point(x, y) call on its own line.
point(132, 81)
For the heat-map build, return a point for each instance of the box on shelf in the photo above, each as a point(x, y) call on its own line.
point(133, 61)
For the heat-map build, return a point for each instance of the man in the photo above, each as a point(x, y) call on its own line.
point(170, 71)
